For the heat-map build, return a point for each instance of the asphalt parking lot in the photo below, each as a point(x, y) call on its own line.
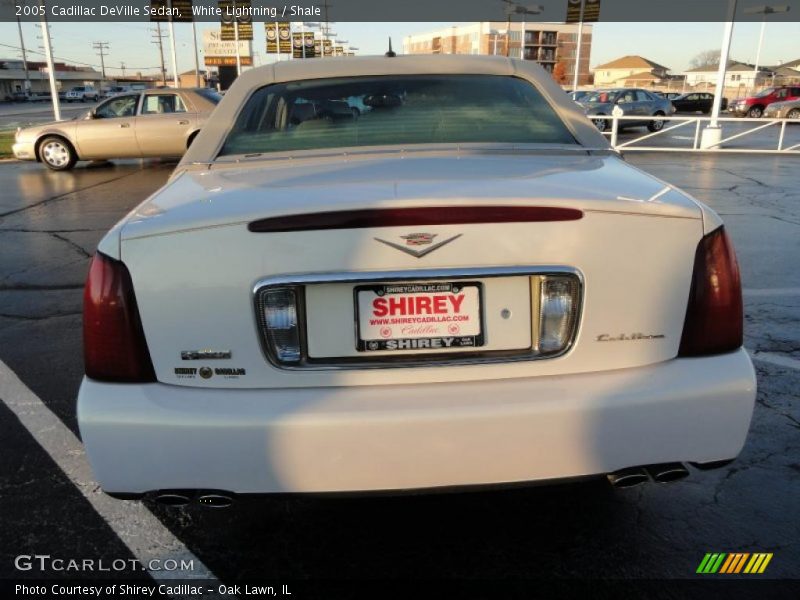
point(49, 226)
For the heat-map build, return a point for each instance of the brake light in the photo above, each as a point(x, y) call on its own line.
point(714, 316)
point(114, 348)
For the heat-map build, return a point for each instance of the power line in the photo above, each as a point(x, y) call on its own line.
point(73, 61)
point(101, 47)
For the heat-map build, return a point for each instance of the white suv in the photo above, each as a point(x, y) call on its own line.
point(82, 93)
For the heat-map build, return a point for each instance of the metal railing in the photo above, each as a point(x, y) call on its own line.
point(686, 122)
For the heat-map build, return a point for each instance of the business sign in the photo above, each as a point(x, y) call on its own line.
point(228, 61)
point(591, 11)
point(327, 48)
point(217, 51)
point(338, 50)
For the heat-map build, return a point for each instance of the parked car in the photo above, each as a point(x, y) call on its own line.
point(783, 110)
point(697, 102)
point(82, 93)
point(632, 102)
point(578, 95)
point(20, 96)
point(463, 285)
point(754, 106)
point(156, 123)
point(116, 90)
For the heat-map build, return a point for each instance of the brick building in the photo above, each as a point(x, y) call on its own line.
point(546, 43)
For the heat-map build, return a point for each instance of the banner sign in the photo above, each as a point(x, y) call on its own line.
point(327, 48)
point(591, 11)
point(297, 44)
point(271, 32)
point(234, 11)
point(284, 37)
point(309, 41)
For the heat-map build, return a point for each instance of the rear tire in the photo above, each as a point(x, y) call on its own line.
point(793, 114)
point(656, 124)
point(57, 154)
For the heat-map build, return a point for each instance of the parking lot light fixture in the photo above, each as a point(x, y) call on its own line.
point(763, 10)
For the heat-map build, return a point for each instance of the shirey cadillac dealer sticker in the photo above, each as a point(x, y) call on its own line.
point(419, 316)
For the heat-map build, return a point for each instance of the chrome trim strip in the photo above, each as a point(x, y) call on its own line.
point(430, 360)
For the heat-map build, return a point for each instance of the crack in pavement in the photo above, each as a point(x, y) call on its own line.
point(77, 247)
point(64, 195)
point(38, 318)
point(32, 287)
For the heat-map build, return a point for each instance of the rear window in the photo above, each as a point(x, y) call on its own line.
point(394, 110)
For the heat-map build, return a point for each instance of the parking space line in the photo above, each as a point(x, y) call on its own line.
point(776, 359)
point(144, 535)
point(791, 291)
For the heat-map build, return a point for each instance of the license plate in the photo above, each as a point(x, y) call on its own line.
point(419, 316)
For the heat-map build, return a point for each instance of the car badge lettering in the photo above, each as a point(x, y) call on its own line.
point(624, 337)
point(418, 239)
point(205, 354)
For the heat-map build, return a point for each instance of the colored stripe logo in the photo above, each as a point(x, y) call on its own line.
point(734, 563)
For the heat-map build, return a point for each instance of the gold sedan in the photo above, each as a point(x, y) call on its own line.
point(157, 123)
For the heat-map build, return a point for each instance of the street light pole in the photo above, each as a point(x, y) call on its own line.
point(578, 49)
point(51, 70)
point(712, 134)
point(196, 55)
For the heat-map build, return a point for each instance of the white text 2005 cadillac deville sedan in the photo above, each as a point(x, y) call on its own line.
point(388, 273)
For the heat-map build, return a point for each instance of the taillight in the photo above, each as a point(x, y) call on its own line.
point(114, 348)
point(714, 319)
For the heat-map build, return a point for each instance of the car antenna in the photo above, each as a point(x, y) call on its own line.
point(391, 53)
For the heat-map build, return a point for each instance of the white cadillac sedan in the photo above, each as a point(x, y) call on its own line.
point(390, 273)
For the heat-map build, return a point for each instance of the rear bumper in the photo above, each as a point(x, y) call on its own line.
point(142, 438)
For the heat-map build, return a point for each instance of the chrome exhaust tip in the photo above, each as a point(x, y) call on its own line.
point(667, 472)
point(625, 478)
point(215, 500)
point(173, 499)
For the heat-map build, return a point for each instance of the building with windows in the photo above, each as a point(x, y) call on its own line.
point(629, 71)
point(12, 77)
point(552, 45)
point(737, 74)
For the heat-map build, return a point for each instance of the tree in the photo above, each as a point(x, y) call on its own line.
point(707, 58)
point(560, 73)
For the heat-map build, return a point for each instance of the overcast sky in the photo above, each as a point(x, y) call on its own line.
point(670, 44)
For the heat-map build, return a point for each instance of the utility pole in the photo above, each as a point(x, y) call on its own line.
point(159, 39)
point(122, 66)
point(102, 48)
point(24, 58)
point(172, 48)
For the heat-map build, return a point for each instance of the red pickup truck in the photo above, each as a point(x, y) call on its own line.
point(754, 106)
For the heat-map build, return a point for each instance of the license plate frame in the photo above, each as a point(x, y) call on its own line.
point(453, 341)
